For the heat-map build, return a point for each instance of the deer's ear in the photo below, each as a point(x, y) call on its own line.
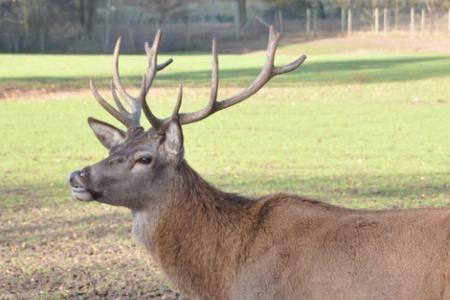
point(172, 143)
point(108, 135)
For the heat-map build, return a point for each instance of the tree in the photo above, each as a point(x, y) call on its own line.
point(87, 12)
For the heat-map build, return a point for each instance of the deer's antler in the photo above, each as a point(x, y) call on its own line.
point(132, 119)
point(267, 72)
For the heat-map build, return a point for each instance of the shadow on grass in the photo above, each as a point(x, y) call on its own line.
point(79, 250)
point(392, 191)
point(360, 187)
point(346, 71)
point(55, 228)
point(334, 72)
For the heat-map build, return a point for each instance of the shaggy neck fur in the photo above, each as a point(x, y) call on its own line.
point(191, 232)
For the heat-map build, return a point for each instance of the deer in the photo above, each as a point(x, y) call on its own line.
point(211, 244)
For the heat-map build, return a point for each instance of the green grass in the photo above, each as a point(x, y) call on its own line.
point(359, 145)
point(358, 131)
point(69, 71)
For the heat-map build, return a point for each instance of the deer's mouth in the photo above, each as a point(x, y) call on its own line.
point(79, 190)
point(82, 194)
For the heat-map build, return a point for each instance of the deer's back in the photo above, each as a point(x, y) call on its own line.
point(301, 249)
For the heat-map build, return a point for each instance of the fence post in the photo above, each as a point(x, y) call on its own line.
point(280, 20)
point(376, 19)
point(411, 21)
point(448, 20)
point(385, 21)
point(343, 19)
point(237, 28)
point(188, 30)
point(308, 20)
point(349, 21)
point(422, 20)
point(108, 24)
point(314, 20)
point(396, 16)
point(42, 39)
point(275, 20)
point(434, 21)
point(203, 24)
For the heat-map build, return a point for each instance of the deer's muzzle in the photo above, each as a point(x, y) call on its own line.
point(77, 181)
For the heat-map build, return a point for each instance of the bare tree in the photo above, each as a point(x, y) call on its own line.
point(87, 13)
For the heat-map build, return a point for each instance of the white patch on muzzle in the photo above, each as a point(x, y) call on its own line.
point(81, 194)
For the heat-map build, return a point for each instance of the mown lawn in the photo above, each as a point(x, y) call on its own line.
point(58, 72)
point(355, 130)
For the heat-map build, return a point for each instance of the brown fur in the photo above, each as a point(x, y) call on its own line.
point(214, 245)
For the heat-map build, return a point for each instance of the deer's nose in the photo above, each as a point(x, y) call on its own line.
point(76, 178)
point(84, 173)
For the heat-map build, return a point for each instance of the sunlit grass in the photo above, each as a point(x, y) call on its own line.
point(358, 145)
point(59, 72)
point(362, 131)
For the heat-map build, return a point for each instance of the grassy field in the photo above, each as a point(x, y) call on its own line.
point(362, 131)
point(376, 64)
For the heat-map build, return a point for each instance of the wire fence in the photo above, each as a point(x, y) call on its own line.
point(190, 24)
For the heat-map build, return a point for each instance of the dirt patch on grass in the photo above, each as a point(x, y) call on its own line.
point(9, 93)
point(372, 43)
point(357, 42)
point(74, 251)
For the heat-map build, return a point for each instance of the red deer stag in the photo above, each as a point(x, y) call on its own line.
point(216, 245)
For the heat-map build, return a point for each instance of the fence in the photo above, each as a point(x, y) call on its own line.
point(192, 23)
point(379, 20)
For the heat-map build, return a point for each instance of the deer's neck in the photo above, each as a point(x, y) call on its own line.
point(192, 234)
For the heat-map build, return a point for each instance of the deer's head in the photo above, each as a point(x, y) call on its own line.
point(142, 163)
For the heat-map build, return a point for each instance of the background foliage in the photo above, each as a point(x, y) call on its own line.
point(91, 26)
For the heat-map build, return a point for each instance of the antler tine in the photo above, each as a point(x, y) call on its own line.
point(132, 118)
point(177, 107)
point(116, 78)
point(152, 54)
point(143, 90)
point(214, 77)
point(121, 117)
point(129, 119)
point(116, 98)
point(267, 72)
point(209, 109)
point(153, 67)
point(154, 121)
point(164, 64)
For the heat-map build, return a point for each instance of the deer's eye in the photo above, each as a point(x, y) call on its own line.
point(145, 160)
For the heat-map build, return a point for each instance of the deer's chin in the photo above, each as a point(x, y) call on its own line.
point(82, 194)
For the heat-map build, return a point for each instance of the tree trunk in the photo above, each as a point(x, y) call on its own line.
point(26, 16)
point(91, 12)
point(81, 12)
point(87, 13)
